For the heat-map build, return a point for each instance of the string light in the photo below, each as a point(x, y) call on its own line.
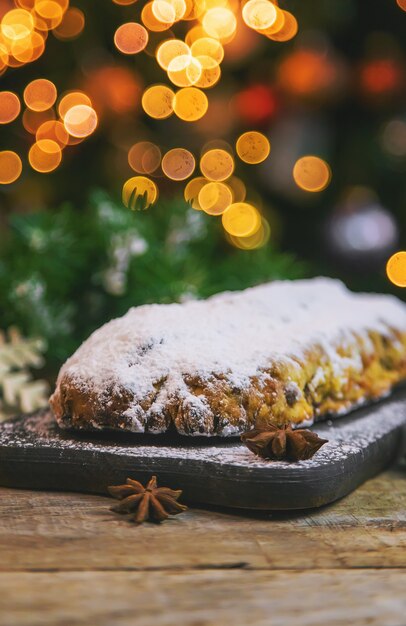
point(396, 269)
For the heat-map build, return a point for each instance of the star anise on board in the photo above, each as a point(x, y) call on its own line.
point(283, 443)
point(151, 503)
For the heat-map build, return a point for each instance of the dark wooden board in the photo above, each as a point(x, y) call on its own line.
point(36, 454)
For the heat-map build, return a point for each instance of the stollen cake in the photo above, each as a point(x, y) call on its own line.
point(283, 352)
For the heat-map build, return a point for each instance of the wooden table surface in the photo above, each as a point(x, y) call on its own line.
point(66, 559)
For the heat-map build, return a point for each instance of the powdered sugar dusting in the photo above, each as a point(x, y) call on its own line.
point(236, 334)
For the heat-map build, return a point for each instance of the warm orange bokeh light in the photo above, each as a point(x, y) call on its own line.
point(40, 94)
point(178, 164)
point(144, 157)
point(50, 11)
point(10, 107)
point(72, 25)
point(55, 131)
point(396, 269)
point(45, 156)
point(32, 120)
point(311, 173)
point(10, 167)
point(131, 38)
point(71, 99)
point(80, 120)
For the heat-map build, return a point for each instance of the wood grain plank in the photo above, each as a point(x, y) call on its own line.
point(59, 531)
point(209, 598)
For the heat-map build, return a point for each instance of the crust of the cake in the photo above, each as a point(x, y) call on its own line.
point(295, 391)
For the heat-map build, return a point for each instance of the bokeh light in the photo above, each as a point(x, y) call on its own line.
point(396, 269)
point(55, 131)
point(131, 38)
point(80, 120)
point(215, 198)
point(259, 239)
point(178, 164)
point(253, 147)
point(311, 173)
point(72, 25)
point(241, 219)
point(71, 99)
point(192, 190)
point(10, 107)
point(190, 104)
point(139, 192)
point(10, 167)
point(40, 94)
point(217, 165)
point(157, 101)
point(45, 155)
point(220, 23)
point(144, 157)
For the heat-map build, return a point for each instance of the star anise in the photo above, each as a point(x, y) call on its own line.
point(147, 503)
point(283, 443)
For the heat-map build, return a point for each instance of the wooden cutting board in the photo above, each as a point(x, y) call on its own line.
point(36, 454)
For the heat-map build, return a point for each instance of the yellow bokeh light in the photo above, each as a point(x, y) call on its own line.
point(238, 188)
point(10, 107)
point(215, 198)
point(131, 38)
point(158, 101)
point(192, 189)
point(71, 99)
point(241, 219)
point(51, 11)
point(164, 11)
point(169, 50)
point(259, 14)
point(40, 94)
point(219, 23)
point(73, 23)
point(253, 147)
point(311, 173)
point(81, 120)
point(210, 76)
point(257, 240)
point(178, 164)
point(217, 165)
point(10, 167)
point(184, 71)
point(150, 21)
point(45, 156)
point(28, 50)
point(190, 104)
point(288, 30)
point(396, 269)
point(139, 192)
point(144, 157)
point(208, 47)
point(16, 24)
